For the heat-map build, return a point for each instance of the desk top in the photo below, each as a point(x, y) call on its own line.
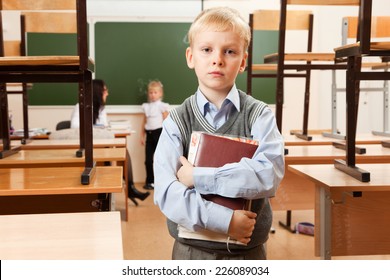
point(60, 157)
point(69, 144)
point(119, 133)
point(319, 139)
point(67, 236)
point(326, 175)
point(58, 180)
point(326, 154)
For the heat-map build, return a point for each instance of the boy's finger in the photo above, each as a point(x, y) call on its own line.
point(250, 214)
point(183, 160)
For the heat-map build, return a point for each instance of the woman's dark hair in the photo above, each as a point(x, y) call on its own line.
point(98, 87)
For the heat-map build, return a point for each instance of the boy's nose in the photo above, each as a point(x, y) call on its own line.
point(217, 60)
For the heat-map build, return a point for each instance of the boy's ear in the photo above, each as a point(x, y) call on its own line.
point(243, 62)
point(189, 57)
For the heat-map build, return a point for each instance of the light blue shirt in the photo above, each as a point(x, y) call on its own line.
point(253, 178)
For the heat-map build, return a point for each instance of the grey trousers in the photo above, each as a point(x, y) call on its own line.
point(185, 252)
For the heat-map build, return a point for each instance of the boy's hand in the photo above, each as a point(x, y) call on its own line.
point(184, 174)
point(242, 225)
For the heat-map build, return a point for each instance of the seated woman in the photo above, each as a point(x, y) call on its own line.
point(99, 118)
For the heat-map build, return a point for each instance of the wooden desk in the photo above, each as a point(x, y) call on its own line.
point(35, 137)
point(322, 154)
point(296, 192)
point(351, 217)
point(119, 133)
point(57, 190)
point(62, 157)
point(70, 236)
point(66, 158)
point(361, 139)
point(71, 144)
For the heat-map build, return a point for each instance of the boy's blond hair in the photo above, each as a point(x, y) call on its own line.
point(220, 19)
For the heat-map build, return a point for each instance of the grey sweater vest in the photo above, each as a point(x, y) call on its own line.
point(189, 118)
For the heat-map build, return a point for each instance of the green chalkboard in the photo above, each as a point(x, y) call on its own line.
point(264, 42)
point(128, 55)
point(52, 44)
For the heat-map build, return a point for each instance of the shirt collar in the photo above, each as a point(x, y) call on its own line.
point(232, 96)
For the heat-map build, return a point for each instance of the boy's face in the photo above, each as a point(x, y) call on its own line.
point(154, 94)
point(217, 58)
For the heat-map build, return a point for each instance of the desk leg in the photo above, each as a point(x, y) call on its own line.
point(287, 225)
point(325, 223)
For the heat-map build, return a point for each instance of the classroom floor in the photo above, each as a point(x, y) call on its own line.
point(145, 235)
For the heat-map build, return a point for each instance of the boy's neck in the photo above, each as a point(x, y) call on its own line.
point(216, 97)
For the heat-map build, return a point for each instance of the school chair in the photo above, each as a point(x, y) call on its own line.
point(42, 16)
point(380, 30)
point(268, 20)
point(307, 61)
point(353, 54)
point(16, 48)
point(63, 125)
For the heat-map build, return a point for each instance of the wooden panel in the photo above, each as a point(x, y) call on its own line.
point(326, 154)
point(40, 60)
point(59, 180)
point(294, 193)
point(380, 46)
point(265, 67)
point(361, 225)
point(11, 48)
point(325, 2)
point(303, 56)
point(292, 140)
point(51, 22)
point(38, 5)
point(71, 144)
point(269, 20)
point(380, 27)
point(328, 176)
point(63, 157)
point(40, 204)
point(76, 236)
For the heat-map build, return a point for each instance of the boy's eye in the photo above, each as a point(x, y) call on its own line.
point(206, 50)
point(230, 52)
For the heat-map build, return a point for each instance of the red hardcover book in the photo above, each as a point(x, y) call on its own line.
point(209, 150)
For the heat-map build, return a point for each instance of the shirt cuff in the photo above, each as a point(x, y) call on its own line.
point(220, 217)
point(204, 181)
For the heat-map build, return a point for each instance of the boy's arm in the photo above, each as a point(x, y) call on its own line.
point(253, 178)
point(180, 204)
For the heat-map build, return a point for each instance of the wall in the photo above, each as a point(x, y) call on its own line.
point(327, 36)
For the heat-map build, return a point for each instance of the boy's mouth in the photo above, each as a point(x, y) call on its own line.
point(216, 73)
